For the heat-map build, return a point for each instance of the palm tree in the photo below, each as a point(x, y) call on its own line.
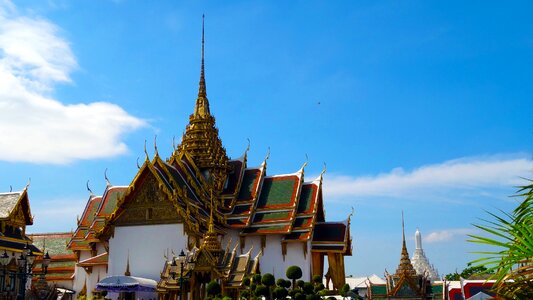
point(512, 235)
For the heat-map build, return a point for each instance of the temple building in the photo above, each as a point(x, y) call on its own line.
point(91, 253)
point(420, 261)
point(60, 270)
point(199, 216)
point(15, 215)
point(406, 282)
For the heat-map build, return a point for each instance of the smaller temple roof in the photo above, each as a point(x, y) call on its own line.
point(63, 260)
point(9, 203)
point(332, 237)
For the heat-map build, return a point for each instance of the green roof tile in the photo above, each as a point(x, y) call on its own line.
point(248, 184)
point(278, 191)
point(268, 216)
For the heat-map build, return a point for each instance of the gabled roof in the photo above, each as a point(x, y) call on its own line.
point(244, 204)
point(9, 203)
point(309, 208)
point(78, 240)
point(63, 260)
point(276, 205)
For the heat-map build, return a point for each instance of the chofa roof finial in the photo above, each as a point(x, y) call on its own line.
point(91, 194)
point(107, 182)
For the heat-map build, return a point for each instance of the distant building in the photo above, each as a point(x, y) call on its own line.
point(60, 273)
point(406, 282)
point(420, 261)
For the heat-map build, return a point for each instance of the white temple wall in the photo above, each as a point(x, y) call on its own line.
point(98, 273)
point(272, 260)
point(233, 236)
point(146, 245)
point(80, 275)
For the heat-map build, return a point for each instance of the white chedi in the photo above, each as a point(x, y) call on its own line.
point(420, 261)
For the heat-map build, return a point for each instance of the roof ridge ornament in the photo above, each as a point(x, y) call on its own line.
point(305, 163)
point(108, 183)
point(155, 145)
point(146, 152)
point(91, 194)
point(28, 184)
point(266, 157)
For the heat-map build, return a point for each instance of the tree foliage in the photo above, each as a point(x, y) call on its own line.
point(213, 288)
point(466, 273)
point(294, 273)
point(512, 236)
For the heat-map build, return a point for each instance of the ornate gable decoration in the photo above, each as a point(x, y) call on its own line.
point(147, 205)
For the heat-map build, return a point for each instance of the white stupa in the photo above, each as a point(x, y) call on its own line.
point(420, 261)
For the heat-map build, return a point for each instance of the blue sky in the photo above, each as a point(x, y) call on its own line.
point(416, 106)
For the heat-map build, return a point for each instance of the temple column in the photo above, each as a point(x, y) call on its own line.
point(336, 269)
point(317, 260)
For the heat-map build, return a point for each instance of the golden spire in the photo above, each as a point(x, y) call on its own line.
point(211, 242)
point(201, 138)
point(202, 104)
point(405, 266)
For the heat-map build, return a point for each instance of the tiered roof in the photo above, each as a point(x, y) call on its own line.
point(92, 220)
point(63, 260)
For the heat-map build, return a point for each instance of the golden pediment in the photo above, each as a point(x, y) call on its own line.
point(148, 205)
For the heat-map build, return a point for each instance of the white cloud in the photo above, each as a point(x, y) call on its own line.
point(35, 127)
point(448, 235)
point(459, 178)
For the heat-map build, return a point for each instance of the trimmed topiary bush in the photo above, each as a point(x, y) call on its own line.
point(294, 273)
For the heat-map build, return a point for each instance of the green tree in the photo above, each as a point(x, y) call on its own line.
point(466, 273)
point(213, 288)
point(308, 288)
point(294, 273)
point(319, 287)
point(512, 236)
point(269, 281)
point(280, 293)
point(245, 294)
point(300, 283)
point(317, 279)
point(261, 290)
point(344, 290)
point(299, 296)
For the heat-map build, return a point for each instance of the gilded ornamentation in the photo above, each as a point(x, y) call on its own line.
point(149, 205)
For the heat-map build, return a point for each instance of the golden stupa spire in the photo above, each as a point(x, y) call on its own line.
point(211, 242)
point(201, 138)
point(405, 266)
point(202, 104)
